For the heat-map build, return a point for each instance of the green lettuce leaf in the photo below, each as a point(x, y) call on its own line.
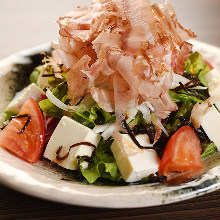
point(103, 165)
point(138, 120)
point(54, 82)
point(6, 115)
point(210, 149)
point(35, 74)
point(102, 170)
point(183, 97)
point(184, 111)
point(82, 120)
point(49, 108)
point(201, 77)
point(94, 116)
point(196, 65)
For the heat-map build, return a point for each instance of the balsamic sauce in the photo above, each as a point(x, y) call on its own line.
point(47, 75)
point(155, 178)
point(2, 128)
point(21, 116)
point(86, 158)
point(64, 179)
point(58, 152)
point(130, 133)
point(80, 100)
point(74, 145)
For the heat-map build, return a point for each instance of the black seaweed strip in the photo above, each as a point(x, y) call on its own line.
point(80, 100)
point(21, 116)
point(126, 126)
point(74, 145)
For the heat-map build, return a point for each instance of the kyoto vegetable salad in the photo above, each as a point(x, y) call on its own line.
point(123, 98)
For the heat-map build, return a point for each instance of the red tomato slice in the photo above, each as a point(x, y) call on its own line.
point(29, 144)
point(182, 154)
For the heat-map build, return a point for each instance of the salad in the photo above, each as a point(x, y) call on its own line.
point(123, 98)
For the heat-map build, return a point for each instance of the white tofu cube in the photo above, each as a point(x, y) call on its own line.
point(134, 163)
point(30, 91)
point(213, 79)
point(67, 133)
point(211, 125)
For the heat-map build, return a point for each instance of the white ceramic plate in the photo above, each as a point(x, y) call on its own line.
point(43, 181)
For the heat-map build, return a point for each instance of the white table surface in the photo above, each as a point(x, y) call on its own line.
point(26, 23)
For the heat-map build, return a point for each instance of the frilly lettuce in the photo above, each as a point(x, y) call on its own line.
point(196, 65)
point(93, 116)
point(103, 164)
point(209, 149)
point(139, 119)
point(184, 111)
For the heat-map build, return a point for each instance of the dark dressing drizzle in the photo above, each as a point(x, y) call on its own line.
point(130, 132)
point(48, 75)
point(86, 158)
point(58, 157)
point(21, 116)
point(154, 178)
point(80, 100)
point(65, 179)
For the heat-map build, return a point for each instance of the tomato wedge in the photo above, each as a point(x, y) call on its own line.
point(28, 145)
point(182, 155)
